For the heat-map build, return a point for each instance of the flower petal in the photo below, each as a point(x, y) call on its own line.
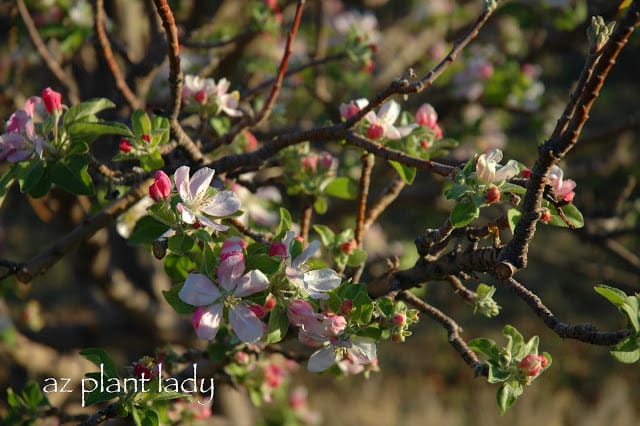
point(198, 290)
point(211, 224)
point(200, 182)
point(224, 203)
point(230, 270)
point(306, 254)
point(389, 112)
point(322, 359)
point(181, 178)
point(186, 214)
point(252, 282)
point(320, 280)
point(206, 321)
point(362, 350)
point(507, 171)
point(246, 324)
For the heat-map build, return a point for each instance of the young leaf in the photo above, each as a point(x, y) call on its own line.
point(86, 111)
point(285, 221)
point(278, 324)
point(146, 231)
point(627, 351)
point(516, 341)
point(507, 395)
point(71, 174)
point(140, 123)
point(171, 296)
point(342, 187)
point(407, 173)
point(513, 217)
point(327, 236)
point(464, 213)
point(101, 358)
point(181, 244)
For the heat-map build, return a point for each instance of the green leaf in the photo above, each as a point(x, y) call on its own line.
point(532, 346)
point(513, 188)
point(513, 217)
point(140, 123)
point(285, 221)
point(278, 324)
point(385, 305)
point(71, 175)
point(486, 347)
point(5, 183)
point(178, 267)
point(371, 332)
point(496, 373)
point(572, 214)
point(507, 395)
point(172, 298)
point(362, 303)
point(33, 395)
point(41, 187)
point(265, 263)
point(160, 134)
point(407, 173)
point(93, 380)
point(357, 258)
point(342, 187)
point(629, 305)
point(86, 110)
point(515, 343)
point(86, 131)
point(181, 244)
point(464, 213)
point(627, 351)
point(327, 236)
point(29, 173)
point(456, 191)
point(146, 231)
point(320, 205)
point(612, 294)
point(101, 358)
point(151, 161)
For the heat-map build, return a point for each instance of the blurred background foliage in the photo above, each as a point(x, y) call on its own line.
point(506, 90)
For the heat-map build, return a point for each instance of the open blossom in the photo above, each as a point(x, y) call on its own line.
point(352, 108)
point(382, 123)
point(486, 167)
point(196, 201)
point(205, 91)
point(358, 351)
point(20, 140)
point(561, 188)
point(315, 282)
point(211, 300)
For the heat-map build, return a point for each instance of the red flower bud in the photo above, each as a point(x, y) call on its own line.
point(526, 173)
point(399, 319)
point(348, 246)
point(346, 306)
point(270, 303)
point(533, 364)
point(52, 100)
point(545, 217)
point(492, 195)
point(200, 96)
point(160, 189)
point(146, 138)
point(278, 248)
point(375, 131)
point(258, 310)
point(125, 146)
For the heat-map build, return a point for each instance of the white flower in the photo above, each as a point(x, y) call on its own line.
point(385, 119)
point(196, 201)
point(315, 282)
point(357, 350)
point(486, 167)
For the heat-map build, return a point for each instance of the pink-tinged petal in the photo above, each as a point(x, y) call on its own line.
point(389, 112)
point(406, 130)
point(567, 187)
point(322, 359)
point(222, 86)
point(211, 224)
point(246, 324)
point(361, 103)
point(200, 182)
point(223, 203)
point(206, 321)
point(321, 280)
point(494, 155)
point(391, 132)
point(181, 178)
point(250, 283)
point(230, 270)
point(288, 239)
point(306, 254)
point(186, 214)
point(371, 117)
point(507, 171)
point(198, 290)
point(31, 103)
point(362, 350)
point(18, 156)
point(299, 312)
point(233, 245)
point(485, 170)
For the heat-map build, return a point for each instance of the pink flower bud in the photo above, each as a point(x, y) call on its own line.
point(427, 116)
point(200, 96)
point(160, 189)
point(241, 357)
point(273, 375)
point(278, 248)
point(299, 311)
point(525, 173)
point(568, 197)
point(399, 319)
point(258, 310)
point(335, 324)
point(545, 217)
point(348, 246)
point(375, 131)
point(485, 71)
point(492, 195)
point(346, 306)
point(349, 110)
point(425, 144)
point(146, 138)
point(326, 160)
point(125, 146)
point(270, 303)
point(52, 100)
point(532, 364)
point(298, 398)
point(309, 163)
point(252, 141)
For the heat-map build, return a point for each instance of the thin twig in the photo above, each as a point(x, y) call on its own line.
point(388, 196)
point(367, 161)
point(453, 331)
point(52, 64)
point(459, 288)
point(305, 219)
point(107, 53)
point(583, 332)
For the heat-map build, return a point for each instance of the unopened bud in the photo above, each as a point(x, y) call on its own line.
point(492, 195)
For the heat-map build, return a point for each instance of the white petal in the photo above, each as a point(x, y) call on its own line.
point(321, 280)
point(371, 117)
point(209, 323)
point(246, 324)
point(230, 271)
point(181, 178)
point(200, 181)
point(186, 214)
point(198, 290)
point(211, 224)
point(250, 283)
point(362, 350)
point(389, 112)
point(391, 132)
point(362, 102)
point(322, 359)
point(507, 171)
point(306, 254)
point(288, 239)
point(221, 204)
point(494, 155)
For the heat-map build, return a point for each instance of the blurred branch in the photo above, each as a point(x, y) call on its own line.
point(583, 332)
point(367, 161)
point(52, 64)
point(564, 137)
point(390, 193)
point(202, 44)
point(453, 330)
point(107, 54)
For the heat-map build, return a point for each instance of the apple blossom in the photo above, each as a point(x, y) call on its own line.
point(20, 140)
point(315, 282)
point(227, 102)
point(561, 188)
point(52, 100)
point(399, 319)
point(382, 123)
point(196, 201)
point(352, 108)
point(486, 167)
point(428, 117)
point(358, 350)
point(533, 364)
point(160, 189)
point(211, 299)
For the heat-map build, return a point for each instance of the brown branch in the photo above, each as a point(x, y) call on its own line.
point(52, 64)
point(175, 81)
point(453, 331)
point(389, 195)
point(391, 154)
point(107, 53)
point(468, 295)
point(305, 219)
point(514, 256)
point(583, 332)
point(367, 160)
point(245, 230)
